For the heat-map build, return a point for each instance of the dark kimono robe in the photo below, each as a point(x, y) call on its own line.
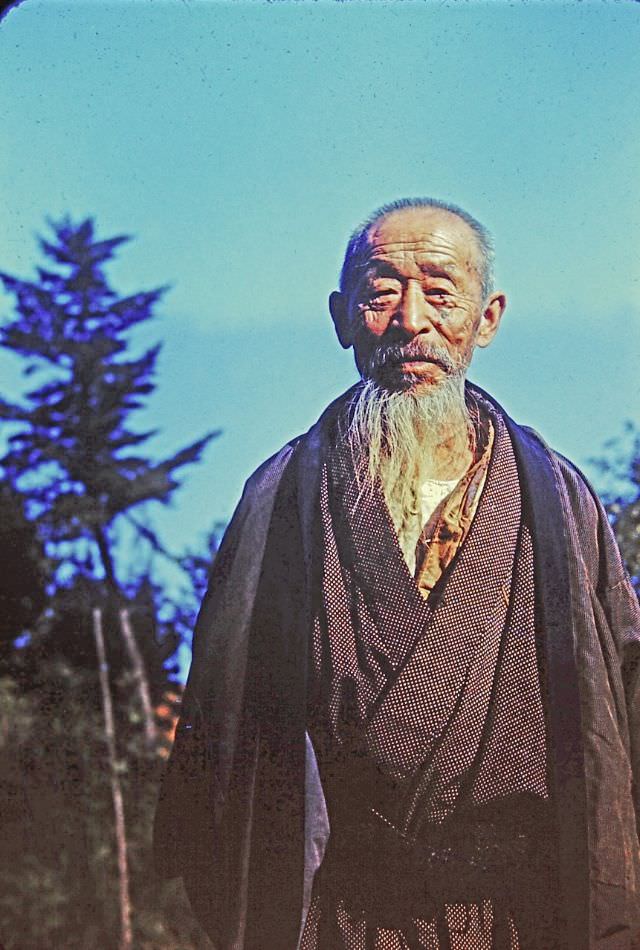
point(241, 814)
point(427, 720)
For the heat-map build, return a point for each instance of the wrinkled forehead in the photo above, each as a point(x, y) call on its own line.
point(424, 231)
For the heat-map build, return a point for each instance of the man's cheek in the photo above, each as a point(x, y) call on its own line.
point(374, 322)
point(458, 329)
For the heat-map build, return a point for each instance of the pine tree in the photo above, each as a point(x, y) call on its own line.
point(73, 452)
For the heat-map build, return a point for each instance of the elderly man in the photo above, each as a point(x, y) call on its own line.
point(411, 719)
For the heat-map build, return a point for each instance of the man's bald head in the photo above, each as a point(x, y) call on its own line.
point(358, 246)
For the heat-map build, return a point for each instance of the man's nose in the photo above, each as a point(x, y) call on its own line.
point(412, 316)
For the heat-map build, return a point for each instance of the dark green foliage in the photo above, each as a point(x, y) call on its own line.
point(23, 577)
point(621, 474)
point(58, 877)
point(64, 632)
point(626, 521)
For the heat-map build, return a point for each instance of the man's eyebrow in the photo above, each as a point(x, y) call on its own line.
point(433, 271)
point(376, 267)
point(381, 268)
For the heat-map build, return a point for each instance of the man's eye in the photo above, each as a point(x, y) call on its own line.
point(439, 297)
point(437, 292)
point(377, 292)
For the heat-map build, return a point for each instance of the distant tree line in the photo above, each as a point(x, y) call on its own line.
point(88, 641)
point(620, 471)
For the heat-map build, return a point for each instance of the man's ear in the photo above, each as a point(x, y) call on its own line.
point(491, 317)
point(339, 310)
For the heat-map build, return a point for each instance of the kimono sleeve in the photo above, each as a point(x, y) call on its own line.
point(622, 609)
point(195, 785)
point(601, 567)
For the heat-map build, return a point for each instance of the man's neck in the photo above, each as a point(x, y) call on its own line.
point(451, 453)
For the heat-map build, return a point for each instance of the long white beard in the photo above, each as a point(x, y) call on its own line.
point(394, 436)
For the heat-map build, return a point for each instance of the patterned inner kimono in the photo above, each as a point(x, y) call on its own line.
point(429, 729)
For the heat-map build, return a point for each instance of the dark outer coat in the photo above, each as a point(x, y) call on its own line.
point(236, 817)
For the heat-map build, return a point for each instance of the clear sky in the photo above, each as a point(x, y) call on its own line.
point(240, 143)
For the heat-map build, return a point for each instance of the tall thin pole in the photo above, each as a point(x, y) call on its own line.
point(140, 675)
point(126, 936)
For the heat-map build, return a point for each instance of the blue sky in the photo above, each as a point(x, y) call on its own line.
point(240, 143)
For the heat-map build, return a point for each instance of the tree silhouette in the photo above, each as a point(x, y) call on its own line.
point(73, 452)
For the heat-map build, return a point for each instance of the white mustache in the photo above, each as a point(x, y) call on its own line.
point(393, 353)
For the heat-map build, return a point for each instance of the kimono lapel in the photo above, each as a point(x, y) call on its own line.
point(556, 630)
point(434, 710)
point(370, 554)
